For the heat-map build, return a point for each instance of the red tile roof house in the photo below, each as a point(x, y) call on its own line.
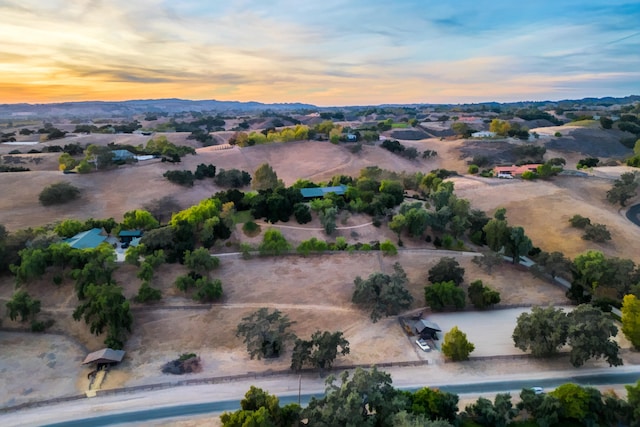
point(513, 171)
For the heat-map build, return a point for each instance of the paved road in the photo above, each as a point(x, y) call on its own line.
point(605, 378)
point(633, 214)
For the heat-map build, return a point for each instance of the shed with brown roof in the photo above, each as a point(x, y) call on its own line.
point(106, 355)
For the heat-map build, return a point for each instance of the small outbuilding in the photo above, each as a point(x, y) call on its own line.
point(126, 236)
point(122, 155)
point(426, 329)
point(319, 192)
point(105, 356)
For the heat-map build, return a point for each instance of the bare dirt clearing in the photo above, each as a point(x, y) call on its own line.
point(543, 208)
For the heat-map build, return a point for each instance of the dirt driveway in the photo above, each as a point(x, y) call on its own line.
point(489, 331)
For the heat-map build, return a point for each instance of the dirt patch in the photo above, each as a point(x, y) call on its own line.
point(36, 367)
point(590, 142)
point(496, 152)
point(410, 134)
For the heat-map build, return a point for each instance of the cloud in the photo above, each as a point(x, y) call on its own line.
point(330, 52)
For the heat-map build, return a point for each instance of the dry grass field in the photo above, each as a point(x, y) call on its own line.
point(315, 292)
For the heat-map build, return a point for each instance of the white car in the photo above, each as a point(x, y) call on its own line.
point(423, 345)
point(537, 390)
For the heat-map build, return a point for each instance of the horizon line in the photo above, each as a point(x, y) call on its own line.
point(315, 105)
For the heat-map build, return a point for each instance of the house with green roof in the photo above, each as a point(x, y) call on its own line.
point(89, 239)
point(319, 192)
point(122, 155)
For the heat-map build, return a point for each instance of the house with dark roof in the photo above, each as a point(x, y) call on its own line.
point(319, 192)
point(126, 236)
point(89, 239)
point(426, 329)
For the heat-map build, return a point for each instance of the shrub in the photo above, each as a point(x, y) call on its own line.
point(183, 177)
point(579, 221)
point(232, 178)
point(147, 294)
point(473, 169)
point(251, 229)
point(388, 248)
point(596, 233)
point(589, 162)
point(447, 241)
point(529, 175)
point(58, 193)
point(482, 296)
point(205, 171)
point(311, 245)
point(302, 213)
point(245, 250)
point(40, 326)
point(208, 290)
point(557, 134)
point(341, 243)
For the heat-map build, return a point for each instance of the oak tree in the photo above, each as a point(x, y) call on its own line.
point(265, 333)
point(320, 351)
point(543, 331)
point(590, 336)
point(105, 307)
point(22, 305)
point(446, 269)
point(383, 294)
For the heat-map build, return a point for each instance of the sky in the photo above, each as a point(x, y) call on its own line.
point(327, 53)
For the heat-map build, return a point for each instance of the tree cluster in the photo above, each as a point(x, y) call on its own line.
point(586, 330)
point(602, 280)
point(232, 178)
point(396, 147)
point(444, 292)
point(368, 398)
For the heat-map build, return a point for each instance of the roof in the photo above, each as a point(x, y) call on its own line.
point(483, 133)
point(106, 355)
point(122, 154)
point(87, 239)
point(423, 324)
point(130, 233)
point(321, 191)
point(516, 170)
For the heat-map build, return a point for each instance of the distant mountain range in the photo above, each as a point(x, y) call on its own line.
point(173, 105)
point(129, 108)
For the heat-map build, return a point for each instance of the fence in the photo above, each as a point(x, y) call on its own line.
point(202, 381)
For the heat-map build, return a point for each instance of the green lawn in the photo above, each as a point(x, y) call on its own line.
point(400, 125)
point(585, 123)
point(242, 217)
